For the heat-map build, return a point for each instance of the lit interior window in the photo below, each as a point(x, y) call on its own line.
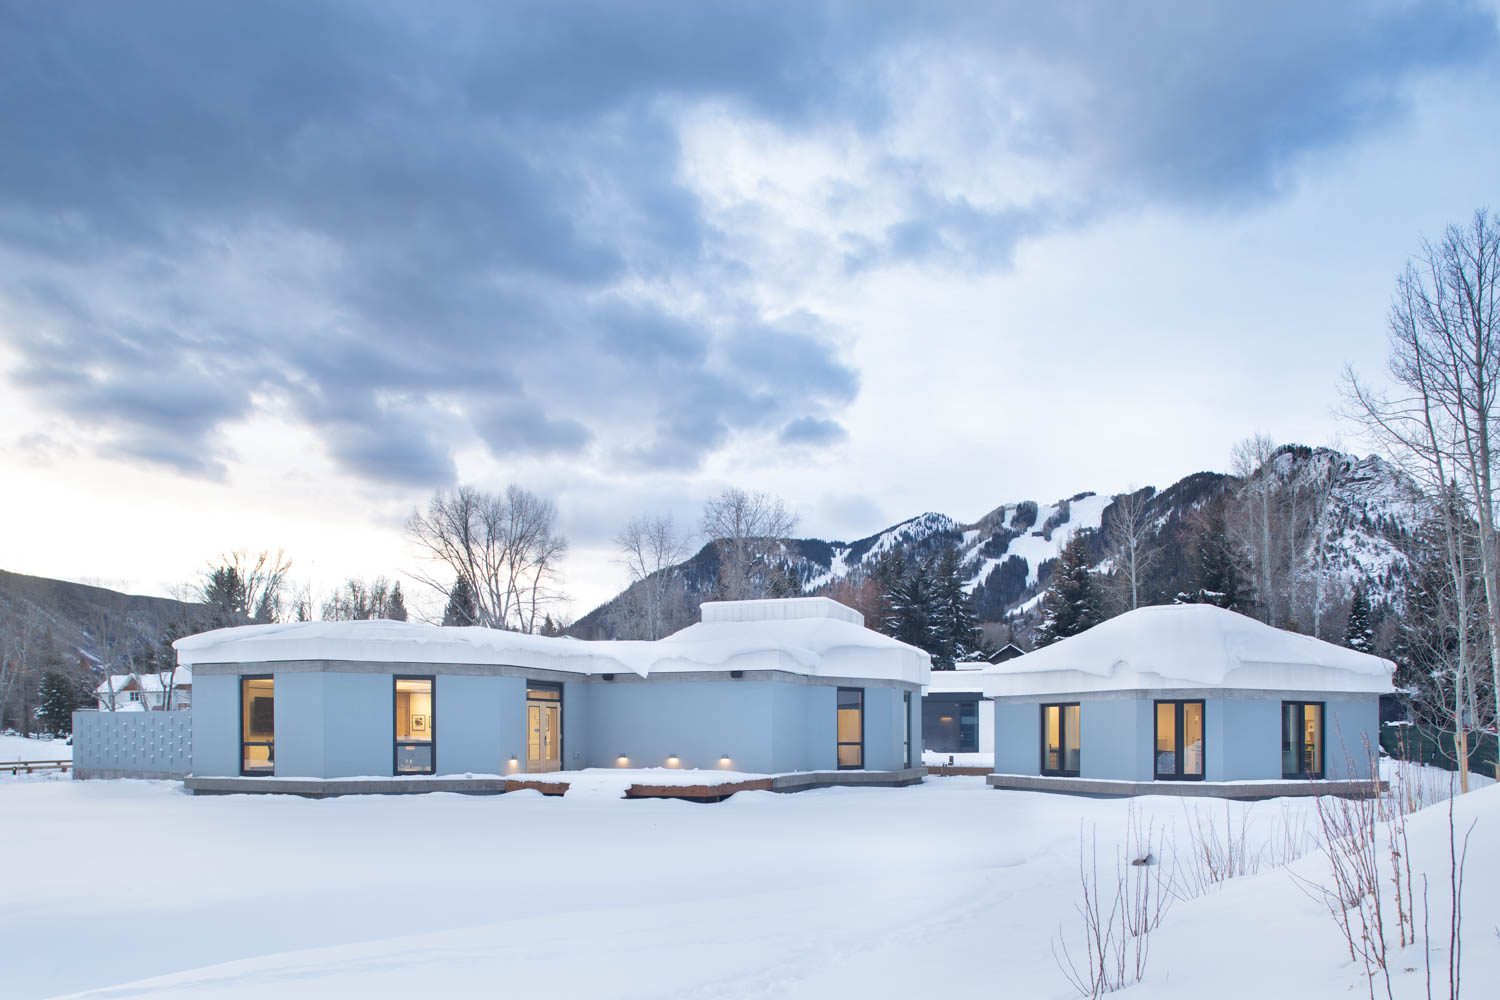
point(414, 725)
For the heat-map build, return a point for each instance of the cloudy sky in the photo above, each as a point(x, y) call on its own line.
point(271, 273)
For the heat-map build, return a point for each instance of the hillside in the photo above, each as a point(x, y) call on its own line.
point(1370, 515)
point(79, 620)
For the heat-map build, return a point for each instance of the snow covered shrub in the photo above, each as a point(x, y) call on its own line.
point(1216, 854)
point(1370, 889)
point(1117, 920)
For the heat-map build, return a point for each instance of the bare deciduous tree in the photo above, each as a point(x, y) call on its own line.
point(1436, 418)
point(1258, 516)
point(358, 600)
point(651, 547)
point(746, 529)
point(243, 587)
point(1128, 540)
point(505, 546)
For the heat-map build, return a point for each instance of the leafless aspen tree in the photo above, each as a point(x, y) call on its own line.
point(1258, 517)
point(746, 528)
point(505, 546)
point(1128, 538)
point(650, 547)
point(1437, 418)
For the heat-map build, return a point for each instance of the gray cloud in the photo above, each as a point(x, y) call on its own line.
point(415, 227)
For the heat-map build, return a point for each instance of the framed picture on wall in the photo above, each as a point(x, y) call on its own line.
point(419, 723)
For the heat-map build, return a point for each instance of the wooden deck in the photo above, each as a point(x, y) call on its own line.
point(556, 783)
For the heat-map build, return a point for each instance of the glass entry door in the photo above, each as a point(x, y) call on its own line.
point(1179, 741)
point(543, 727)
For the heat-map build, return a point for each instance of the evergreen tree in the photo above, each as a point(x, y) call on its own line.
point(225, 596)
point(395, 608)
point(462, 608)
point(954, 628)
point(1218, 578)
point(1359, 633)
point(909, 598)
point(266, 609)
point(1073, 602)
point(59, 696)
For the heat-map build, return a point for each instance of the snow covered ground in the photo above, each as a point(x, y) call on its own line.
point(23, 748)
point(944, 888)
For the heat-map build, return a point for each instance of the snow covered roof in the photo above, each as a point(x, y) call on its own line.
point(1188, 646)
point(956, 682)
point(810, 636)
point(158, 682)
point(115, 682)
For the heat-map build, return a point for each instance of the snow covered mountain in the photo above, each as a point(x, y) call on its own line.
point(1359, 513)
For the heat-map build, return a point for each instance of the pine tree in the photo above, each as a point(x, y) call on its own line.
point(225, 596)
point(395, 608)
point(60, 695)
point(1073, 601)
point(266, 610)
point(954, 629)
point(910, 599)
point(1359, 633)
point(462, 608)
point(1216, 572)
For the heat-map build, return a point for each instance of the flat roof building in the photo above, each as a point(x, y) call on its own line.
point(765, 687)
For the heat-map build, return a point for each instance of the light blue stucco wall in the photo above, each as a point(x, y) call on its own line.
point(699, 722)
point(216, 725)
point(359, 722)
point(300, 727)
point(1242, 733)
point(480, 724)
point(1018, 737)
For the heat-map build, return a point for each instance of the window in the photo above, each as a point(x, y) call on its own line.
point(1179, 741)
point(257, 725)
point(414, 726)
point(133, 696)
point(851, 729)
point(906, 744)
point(1302, 739)
point(1062, 750)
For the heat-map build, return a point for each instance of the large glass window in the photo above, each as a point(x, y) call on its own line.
point(1179, 741)
point(950, 724)
point(851, 729)
point(1302, 739)
point(257, 725)
point(415, 726)
point(1062, 747)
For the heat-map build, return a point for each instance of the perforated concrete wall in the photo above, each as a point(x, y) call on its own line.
point(132, 744)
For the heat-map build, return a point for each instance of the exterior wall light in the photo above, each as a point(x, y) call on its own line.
point(673, 760)
point(724, 760)
point(622, 761)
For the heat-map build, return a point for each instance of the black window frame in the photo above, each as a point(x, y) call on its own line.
point(1062, 738)
point(247, 743)
point(1302, 706)
point(906, 704)
point(397, 743)
point(1177, 749)
point(839, 744)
